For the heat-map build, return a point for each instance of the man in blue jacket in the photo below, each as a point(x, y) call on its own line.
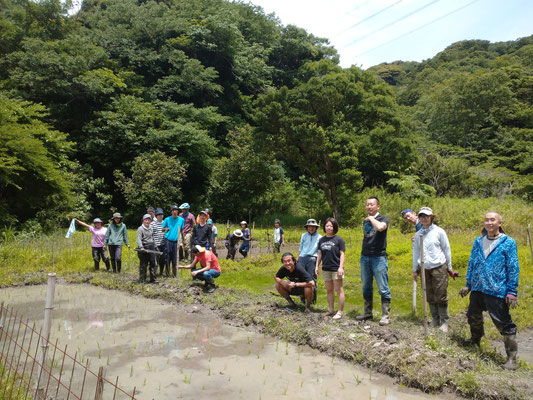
point(492, 277)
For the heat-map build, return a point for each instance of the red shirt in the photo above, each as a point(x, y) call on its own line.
point(208, 256)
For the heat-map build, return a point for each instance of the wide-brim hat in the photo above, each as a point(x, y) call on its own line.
point(311, 222)
point(243, 223)
point(150, 209)
point(117, 215)
point(159, 211)
point(237, 232)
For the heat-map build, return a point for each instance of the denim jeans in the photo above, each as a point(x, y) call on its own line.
point(208, 276)
point(378, 268)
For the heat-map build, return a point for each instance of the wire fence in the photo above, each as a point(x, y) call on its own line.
point(27, 373)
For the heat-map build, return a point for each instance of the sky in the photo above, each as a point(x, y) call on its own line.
point(370, 32)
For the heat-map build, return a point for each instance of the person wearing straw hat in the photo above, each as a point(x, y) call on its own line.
point(99, 250)
point(145, 241)
point(492, 279)
point(115, 235)
point(309, 247)
point(437, 266)
point(210, 268)
point(231, 242)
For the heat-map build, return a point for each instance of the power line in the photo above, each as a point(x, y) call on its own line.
point(358, 7)
point(367, 18)
point(386, 26)
point(416, 29)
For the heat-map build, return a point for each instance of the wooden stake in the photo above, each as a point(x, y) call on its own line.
point(529, 240)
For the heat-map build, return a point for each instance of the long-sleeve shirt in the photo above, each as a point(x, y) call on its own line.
point(436, 248)
point(309, 244)
point(189, 222)
point(116, 234)
point(497, 273)
point(145, 236)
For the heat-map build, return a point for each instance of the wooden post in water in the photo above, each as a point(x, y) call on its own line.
point(100, 384)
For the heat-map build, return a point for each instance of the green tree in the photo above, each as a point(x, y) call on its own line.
point(33, 159)
point(155, 181)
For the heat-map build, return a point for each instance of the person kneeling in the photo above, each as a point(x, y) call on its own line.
point(210, 267)
point(299, 281)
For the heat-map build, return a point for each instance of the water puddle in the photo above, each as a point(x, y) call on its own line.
point(169, 352)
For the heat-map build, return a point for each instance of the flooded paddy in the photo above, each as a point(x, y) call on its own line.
point(170, 351)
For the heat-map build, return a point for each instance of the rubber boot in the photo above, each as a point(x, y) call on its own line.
point(511, 348)
point(114, 265)
point(444, 317)
point(96, 265)
point(367, 312)
point(107, 266)
point(385, 311)
point(435, 318)
point(119, 265)
point(477, 332)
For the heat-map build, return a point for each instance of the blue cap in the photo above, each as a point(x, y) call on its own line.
point(158, 211)
point(406, 211)
point(209, 221)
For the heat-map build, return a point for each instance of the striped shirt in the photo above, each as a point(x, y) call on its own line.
point(157, 228)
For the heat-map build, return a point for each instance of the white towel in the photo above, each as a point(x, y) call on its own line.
point(71, 229)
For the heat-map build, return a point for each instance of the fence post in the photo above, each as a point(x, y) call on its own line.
point(45, 337)
point(100, 384)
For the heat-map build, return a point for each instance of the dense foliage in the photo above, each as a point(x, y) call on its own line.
point(126, 104)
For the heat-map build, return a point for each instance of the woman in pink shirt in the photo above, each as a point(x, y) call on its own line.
point(99, 250)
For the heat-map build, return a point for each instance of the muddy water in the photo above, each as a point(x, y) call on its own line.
point(170, 352)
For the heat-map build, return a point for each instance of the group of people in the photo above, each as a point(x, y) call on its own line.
point(491, 279)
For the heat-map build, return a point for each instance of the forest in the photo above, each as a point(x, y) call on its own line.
point(126, 104)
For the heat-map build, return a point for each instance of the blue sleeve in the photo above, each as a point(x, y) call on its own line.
point(280, 231)
point(513, 269)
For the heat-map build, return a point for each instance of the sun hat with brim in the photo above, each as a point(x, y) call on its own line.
point(425, 211)
point(311, 222)
point(117, 215)
point(199, 249)
point(237, 232)
point(97, 220)
point(150, 209)
point(147, 216)
point(159, 211)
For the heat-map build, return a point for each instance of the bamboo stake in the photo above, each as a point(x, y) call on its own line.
point(529, 240)
point(423, 279)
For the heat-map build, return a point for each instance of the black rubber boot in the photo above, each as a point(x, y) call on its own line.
point(511, 348)
point(96, 265)
point(119, 265)
point(368, 305)
point(477, 331)
point(107, 266)
point(114, 265)
point(435, 318)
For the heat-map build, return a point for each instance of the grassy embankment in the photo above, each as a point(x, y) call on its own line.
point(435, 364)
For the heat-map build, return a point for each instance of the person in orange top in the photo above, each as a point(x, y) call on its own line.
point(210, 268)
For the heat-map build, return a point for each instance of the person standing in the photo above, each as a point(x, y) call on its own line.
point(330, 254)
point(159, 240)
point(214, 236)
point(145, 241)
point(201, 232)
point(308, 250)
point(173, 226)
point(246, 238)
point(492, 279)
point(189, 221)
point(374, 264)
point(279, 237)
point(151, 211)
point(210, 268)
point(98, 248)
point(437, 266)
point(116, 234)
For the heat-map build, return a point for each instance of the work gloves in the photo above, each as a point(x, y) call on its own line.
point(464, 291)
point(511, 301)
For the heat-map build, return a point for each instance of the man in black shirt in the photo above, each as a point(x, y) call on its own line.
point(201, 232)
point(374, 262)
point(299, 281)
